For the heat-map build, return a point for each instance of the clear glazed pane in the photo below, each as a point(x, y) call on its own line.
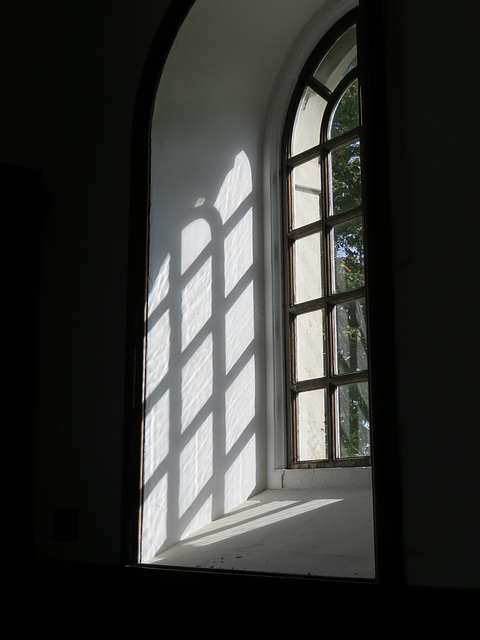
point(346, 177)
point(346, 115)
point(310, 345)
point(348, 255)
point(311, 424)
point(350, 337)
point(307, 253)
point(306, 128)
point(339, 60)
point(307, 185)
point(353, 420)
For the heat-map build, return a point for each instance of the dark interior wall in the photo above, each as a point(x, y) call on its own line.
point(71, 76)
point(71, 73)
point(20, 63)
point(434, 165)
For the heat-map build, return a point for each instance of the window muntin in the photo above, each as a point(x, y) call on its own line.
point(346, 114)
point(326, 323)
point(308, 120)
point(339, 59)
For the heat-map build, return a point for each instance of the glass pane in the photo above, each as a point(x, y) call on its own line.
point(350, 337)
point(346, 177)
point(339, 60)
point(308, 268)
point(306, 129)
point(310, 345)
point(353, 420)
point(311, 425)
point(346, 115)
point(307, 201)
point(349, 255)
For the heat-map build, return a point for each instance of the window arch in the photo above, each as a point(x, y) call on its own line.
point(258, 128)
point(324, 253)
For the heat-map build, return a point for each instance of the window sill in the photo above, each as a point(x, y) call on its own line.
point(327, 478)
point(318, 532)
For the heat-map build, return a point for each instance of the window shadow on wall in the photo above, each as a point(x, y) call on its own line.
point(202, 447)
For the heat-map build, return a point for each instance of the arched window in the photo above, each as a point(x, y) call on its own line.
point(213, 418)
point(325, 292)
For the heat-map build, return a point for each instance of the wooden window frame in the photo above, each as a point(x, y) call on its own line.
point(331, 380)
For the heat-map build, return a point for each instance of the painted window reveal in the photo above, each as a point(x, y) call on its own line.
point(325, 262)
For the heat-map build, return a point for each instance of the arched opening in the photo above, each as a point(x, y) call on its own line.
point(214, 472)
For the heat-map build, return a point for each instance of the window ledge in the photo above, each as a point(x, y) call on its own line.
point(341, 478)
point(317, 532)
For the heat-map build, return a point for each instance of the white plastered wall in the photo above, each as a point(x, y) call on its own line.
point(214, 431)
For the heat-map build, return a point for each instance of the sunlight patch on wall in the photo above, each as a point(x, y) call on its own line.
point(200, 367)
point(155, 506)
point(240, 404)
point(195, 238)
point(196, 303)
point(196, 463)
point(160, 288)
point(235, 188)
point(202, 514)
point(238, 253)
point(197, 382)
point(158, 349)
point(240, 477)
point(157, 437)
point(239, 327)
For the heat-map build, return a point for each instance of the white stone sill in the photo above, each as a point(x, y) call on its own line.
point(345, 478)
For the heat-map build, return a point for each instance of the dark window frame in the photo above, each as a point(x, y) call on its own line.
point(327, 222)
